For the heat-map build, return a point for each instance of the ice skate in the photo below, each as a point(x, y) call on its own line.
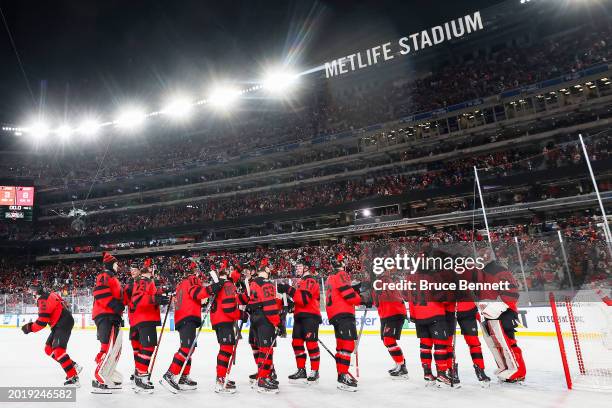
point(266, 386)
point(99, 388)
point(187, 384)
point(399, 372)
point(168, 382)
point(346, 383)
point(299, 377)
point(143, 384)
point(313, 377)
point(224, 387)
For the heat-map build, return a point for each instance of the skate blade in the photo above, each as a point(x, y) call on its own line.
point(346, 388)
point(77, 385)
point(315, 382)
point(139, 390)
point(168, 387)
point(485, 384)
point(188, 387)
point(301, 381)
point(267, 391)
point(101, 391)
point(403, 377)
point(221, 390)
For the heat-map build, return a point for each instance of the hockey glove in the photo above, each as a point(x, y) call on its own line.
point(366, 298)
point(162, 300)
point(492, 310)
point(214, 288)
point(27, 328)
point(356, 286)
point(282, 288)
point(117, 306)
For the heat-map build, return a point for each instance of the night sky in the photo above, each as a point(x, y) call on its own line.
point(99, 54)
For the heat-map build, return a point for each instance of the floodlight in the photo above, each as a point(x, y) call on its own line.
point(38, 130)
point(367, 212)
point(131, 118)
point(64, 131)
point(179, 108)
point(278, 81)
point(223, 96)
point(89, 127)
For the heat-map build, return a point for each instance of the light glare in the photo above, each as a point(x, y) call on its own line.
point(224, 97)
point(89, 127)
point(179, 108)
point(131, 118)
point(278, 81)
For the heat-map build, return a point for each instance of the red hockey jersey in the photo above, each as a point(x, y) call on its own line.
point(108, 296)
point(50, 309)
point(188, 302)
point(494, 272)
point(306, 297)
point(142, 303)
point(263, 298)
point(425, 305)
point(225, 309)
point(341, 298)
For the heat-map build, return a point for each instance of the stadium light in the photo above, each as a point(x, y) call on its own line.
point(179, 108)
point(64, 131)
point(89, 127)
point(222, 97)
point(367, 212)
point(131, 118)
point(278, 81)
point(39, 130)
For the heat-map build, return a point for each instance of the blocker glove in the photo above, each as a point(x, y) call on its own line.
point(27, 328)
point(366, 298)
point(492, 310)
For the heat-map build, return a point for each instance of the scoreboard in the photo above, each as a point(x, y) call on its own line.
point(16, 203)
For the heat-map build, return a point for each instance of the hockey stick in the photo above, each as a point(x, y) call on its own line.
point(363, 318)
point(333, 356)
point(160, 337)
point(268, 353)
point(215, 279)
point(232, 359)
point(195, 340)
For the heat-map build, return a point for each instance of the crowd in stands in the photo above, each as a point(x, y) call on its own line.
point(387, 183)
point(483, 76)
point(544, 267)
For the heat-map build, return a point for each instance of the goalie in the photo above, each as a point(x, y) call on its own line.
point(499, 309)
point(107, 312)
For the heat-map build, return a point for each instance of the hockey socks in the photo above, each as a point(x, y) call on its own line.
point(179, 360)
point(314, 353)
point(394, 349)
point(223, 359)
point(344, 349)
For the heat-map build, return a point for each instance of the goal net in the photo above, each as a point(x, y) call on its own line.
point(583, 325)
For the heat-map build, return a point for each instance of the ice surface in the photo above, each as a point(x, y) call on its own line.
point(23, 363)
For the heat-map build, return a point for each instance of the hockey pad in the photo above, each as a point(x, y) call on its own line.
point(492, 310)
point(105, 372)
point(490, 342)
point(500, 342)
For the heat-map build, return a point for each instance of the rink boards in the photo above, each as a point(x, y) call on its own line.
point(533, 321)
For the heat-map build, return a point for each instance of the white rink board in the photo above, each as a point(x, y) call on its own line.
point(534, 321)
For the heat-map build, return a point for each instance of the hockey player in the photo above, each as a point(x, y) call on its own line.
point(188, 318)
point(144, 304)
point(223, 316)
point(307, 318)
point(499, 308)
point(53, 311)
point(467, 317)
point(265, 319)
point(428, 313)
point(392, 313)
point(127, 295)
point(341, 299)
point(107, 315)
